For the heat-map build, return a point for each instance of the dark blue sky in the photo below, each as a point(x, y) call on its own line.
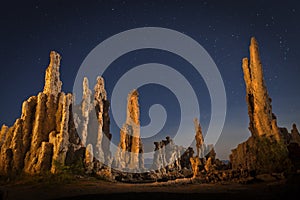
point(31, 29)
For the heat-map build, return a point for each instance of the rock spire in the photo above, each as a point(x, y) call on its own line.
point(265, 150)
point(199, 139)
point(130, 152)
point(262, 120)
point(52, 77)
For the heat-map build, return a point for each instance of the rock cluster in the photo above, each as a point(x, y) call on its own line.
point(44, 137)
point(167, 156)
point(92, 116)
point(173, 161)
point(130, 150)
point(53, 132)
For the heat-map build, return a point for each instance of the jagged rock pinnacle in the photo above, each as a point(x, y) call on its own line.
point(133, 111)
point(100, 92)
point(86, 108)
point(199, 138)
point(257, 153)
point(129, 154)
point(101, 105)
point(52, 79)
point(262, 120)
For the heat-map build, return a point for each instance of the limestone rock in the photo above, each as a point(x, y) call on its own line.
point(89, 158)
point(3, 133)
point(100, 92)
point(195, 162)
point(185, 158)
point(262, 155)
point(28, 116)
point(86, 108)
point(45, 157)
point(265, 151)
point(166, 156)
point(7, 162)
point(208, 165)
point(6, 155)
point(130, 151)
point(60, 140)
point(41, 138)
point(211, 153)
point(38, 135)
point(101, 105)
point(295, 136)
point(199, 139)
point(17, 147)
point(258, 100)
point(157, 158)
point(171, 153)
point(52, 78)
point(92, 116)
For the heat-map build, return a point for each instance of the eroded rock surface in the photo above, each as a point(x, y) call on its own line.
point(295, 136)
point(262, 120)
point(52, 78)
point(101, 106)
point(199, 138)
point(130, 151)
point(42, 137)
point(167, 156)
point(265, 150)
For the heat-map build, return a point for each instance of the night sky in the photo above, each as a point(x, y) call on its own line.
point(31, 29)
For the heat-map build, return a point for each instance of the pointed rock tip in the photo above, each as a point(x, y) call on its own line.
point(54, 55)
point(85, 81)
point(253, 40)
point(133, 92)
point(245, 59)
point(100, 78)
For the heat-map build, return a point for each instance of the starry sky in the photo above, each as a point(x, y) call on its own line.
point(31, 29)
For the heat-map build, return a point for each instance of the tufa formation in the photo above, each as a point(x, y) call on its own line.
point(262, 120)
point(53, 134)
point(199, 139)
point(266, 150)
point(92, 116)
point(130, 150)
point(44, 138)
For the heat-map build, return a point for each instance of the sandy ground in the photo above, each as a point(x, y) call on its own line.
point(98, 189)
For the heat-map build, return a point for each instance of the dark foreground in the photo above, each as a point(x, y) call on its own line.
point(98, 189)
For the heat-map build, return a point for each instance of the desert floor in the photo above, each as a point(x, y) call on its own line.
point(99, 189)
